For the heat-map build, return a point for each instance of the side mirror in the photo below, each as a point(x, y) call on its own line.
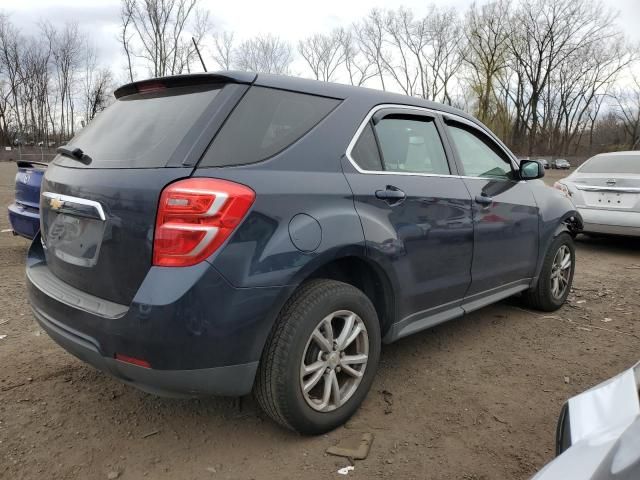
point(531, 170)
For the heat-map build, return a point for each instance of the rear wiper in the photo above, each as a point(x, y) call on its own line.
point(75, 153)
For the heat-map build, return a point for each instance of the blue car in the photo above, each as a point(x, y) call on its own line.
point(24, 212)
point(232, 232)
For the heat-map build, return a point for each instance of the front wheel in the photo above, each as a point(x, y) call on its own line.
point(320, 358)
point(556, 276)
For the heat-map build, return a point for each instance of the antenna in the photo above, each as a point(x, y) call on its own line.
point(198, 52)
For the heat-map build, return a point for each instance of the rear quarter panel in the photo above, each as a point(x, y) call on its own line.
point(305, 178)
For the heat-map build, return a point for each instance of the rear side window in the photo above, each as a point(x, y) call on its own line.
point(411, 145)
point(612, 164)
point(142, 130)
point(264, 123)
point(365, 152)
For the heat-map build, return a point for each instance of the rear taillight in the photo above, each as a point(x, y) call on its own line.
point(195, 216)
point(563, 188)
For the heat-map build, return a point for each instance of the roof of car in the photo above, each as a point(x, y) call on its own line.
point(315, 87)
point(342, 91)
point(627, 153)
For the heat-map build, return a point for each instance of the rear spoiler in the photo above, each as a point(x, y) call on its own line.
point(186, 80)
point(29, 164)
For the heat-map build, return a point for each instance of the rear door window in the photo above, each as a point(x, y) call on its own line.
point(411, 145)
point(142, 130)
point(263, 124)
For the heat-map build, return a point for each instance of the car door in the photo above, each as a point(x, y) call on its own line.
point(505, 214)
point(415, 210)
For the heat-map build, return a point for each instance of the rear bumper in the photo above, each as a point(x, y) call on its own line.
point(200, 335)
point(610, 221)
point(232, 380)
point(24, 222)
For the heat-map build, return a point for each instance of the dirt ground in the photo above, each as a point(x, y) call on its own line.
point(476, 398)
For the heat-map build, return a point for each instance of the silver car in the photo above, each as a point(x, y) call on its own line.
point(606, 191)
point(598, 435)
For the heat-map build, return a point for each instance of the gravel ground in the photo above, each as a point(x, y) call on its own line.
point(476, 398)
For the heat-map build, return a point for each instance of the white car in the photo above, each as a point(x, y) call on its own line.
point(606, 191)
point(598, 435)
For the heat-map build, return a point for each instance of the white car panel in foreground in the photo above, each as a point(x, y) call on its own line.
point(599, 433)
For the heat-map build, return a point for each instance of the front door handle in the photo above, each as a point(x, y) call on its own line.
point(391, 195)
point(484, 200)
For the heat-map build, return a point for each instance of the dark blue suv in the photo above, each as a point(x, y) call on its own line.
point(229, 232)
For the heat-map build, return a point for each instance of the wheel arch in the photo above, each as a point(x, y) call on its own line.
point(571, 223)
point(353, 267)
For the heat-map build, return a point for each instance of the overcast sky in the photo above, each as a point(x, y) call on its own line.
point(289, 19)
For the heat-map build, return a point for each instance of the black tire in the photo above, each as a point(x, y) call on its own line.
point(277, 388)
point(540, 296)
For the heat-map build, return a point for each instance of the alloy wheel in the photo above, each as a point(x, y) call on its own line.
point(561, 271)
point(334, 361)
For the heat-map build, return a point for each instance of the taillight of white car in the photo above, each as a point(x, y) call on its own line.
point(195, 216)
point(563, 188)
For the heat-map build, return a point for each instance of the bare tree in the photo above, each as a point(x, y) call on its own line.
point(161, 33)
point(125, 33)
point(264, 53)
point(65, 47)
point(10, 61)
point(545, 33)
point(371, 41)
point(223, 50)
point(486, 31)
point(628, 112)
point(96, 85)
point(358, 67)
point(447, 51)
point(323, 53)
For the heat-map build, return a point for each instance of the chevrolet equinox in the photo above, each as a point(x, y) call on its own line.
point(231, 232)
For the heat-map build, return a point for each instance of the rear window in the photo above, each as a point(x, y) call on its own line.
point(142, 130)
point(264, 123)
point(612, 164)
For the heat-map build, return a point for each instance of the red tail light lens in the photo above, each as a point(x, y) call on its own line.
point(563, 188)
point(195, 216)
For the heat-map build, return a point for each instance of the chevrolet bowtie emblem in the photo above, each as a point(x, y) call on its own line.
point(56, 203)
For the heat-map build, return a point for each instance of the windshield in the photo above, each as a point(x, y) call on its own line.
point(615, 163)
point(141, 130)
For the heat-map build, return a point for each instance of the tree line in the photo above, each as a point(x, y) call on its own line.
point(549, 77)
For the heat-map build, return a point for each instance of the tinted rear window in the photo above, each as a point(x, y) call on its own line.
point(365, 152)
point(264, 123)
point(142, 130)
point(612, 164)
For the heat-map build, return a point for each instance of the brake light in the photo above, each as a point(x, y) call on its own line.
point(563, 188)
point(195, 216)
point(150, 87)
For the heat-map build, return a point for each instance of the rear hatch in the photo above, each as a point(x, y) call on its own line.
point(98, 213)
point(28, 180)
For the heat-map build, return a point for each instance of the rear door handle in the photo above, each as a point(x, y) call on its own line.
point(391, 194)
point(484, 200)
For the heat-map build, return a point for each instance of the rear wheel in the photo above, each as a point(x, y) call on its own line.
point(556, 276)
point(320, 358)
